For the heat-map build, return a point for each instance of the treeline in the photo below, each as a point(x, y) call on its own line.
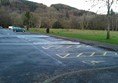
point(29, 14)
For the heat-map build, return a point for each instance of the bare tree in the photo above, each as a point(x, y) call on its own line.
point(36, 19)
point(16, 19)
point(109, 4)
point(84, 20)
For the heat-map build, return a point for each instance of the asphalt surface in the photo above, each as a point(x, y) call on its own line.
point(36, 58)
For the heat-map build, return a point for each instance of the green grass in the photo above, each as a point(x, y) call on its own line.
point(94, 35)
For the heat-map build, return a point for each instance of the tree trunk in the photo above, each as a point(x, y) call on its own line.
point(108, 31)
point(108, 16)
point(27, 28)
point(47, 30)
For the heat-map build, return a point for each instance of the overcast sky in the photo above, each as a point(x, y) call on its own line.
point(79, 4)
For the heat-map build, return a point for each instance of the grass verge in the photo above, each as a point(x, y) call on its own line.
point(94, 35)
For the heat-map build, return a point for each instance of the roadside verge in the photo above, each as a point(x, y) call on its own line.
point(107, 46)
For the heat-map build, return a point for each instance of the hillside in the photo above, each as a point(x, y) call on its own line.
point(24, 5)
point(20, 5)
point(71, 10)
point(41, 14)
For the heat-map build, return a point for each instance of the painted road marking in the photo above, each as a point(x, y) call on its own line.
point(116, 53)
point(104, 53)
point(93, 62)
point(15, 44)
point(44, 41)
point(32, 36)
point(87, 46)
point(48, 47)
point(69, 47)
point(59, 47)
point(45, 48)
point(63, 56)
point(66, 55)
point(59, 55)
point(79, 54)
point(96, 62)
point(78, 46)
point(58, 61)
point(92, 54)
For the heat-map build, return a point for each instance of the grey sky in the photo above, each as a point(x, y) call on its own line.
point(79, 4)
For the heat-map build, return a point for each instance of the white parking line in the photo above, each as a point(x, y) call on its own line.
point(93, 62)
point(104, 53)
point(51, 46)
point(66, 55)
point(58, 61)
point(69, 47)
point(92, 54)
point(79, 54)
point(58, 47)
point(85, 62)
point(116, 53)
point(87, 46)
point(59, 55)
point(96, 62)
point(63, 56)
point(78, 46)
point(48, 47)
